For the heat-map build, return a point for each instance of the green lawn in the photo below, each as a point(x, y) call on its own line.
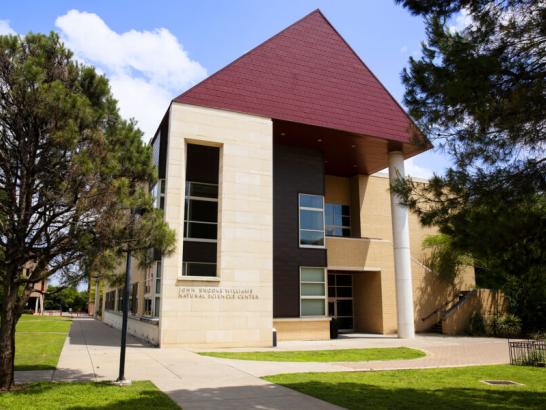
point(339, 355)
point(39, 341)
point(453, 388)
point(75, 395)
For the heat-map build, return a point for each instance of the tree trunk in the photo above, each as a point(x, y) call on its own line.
point(8, 321)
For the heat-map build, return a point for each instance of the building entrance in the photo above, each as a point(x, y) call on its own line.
point(340, 300)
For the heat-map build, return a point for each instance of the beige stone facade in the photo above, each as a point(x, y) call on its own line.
point(235, 308)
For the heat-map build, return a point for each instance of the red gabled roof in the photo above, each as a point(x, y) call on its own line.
point(308, 74)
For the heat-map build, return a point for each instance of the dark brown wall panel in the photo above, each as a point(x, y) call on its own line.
point(295, 170)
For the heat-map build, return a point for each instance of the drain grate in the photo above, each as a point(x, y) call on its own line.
point(501, 383)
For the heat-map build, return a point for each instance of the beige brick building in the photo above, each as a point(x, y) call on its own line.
point(268, 176)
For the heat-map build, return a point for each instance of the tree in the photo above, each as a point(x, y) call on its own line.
point(59, 298)
point(71, 169)
point(479, 93)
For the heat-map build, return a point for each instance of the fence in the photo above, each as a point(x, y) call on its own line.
point(528, 352)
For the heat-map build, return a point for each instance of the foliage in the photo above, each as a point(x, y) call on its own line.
point(71, 169)
point(140, 395)
point(338, 355)
point(443, 258)
point(476, 325)
point(450, 388)
point(65, 299)
point(507, 325)
point(480, 94)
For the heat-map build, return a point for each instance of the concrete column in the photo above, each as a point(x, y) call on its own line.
point(36, 303)
point(402, 257)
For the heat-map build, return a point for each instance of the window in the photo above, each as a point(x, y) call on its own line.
point(201, 212)
point(311, 208)
point(156, 306)
point(148, 281)
point(120, 300)
point(156, 289)
point(312, 291)
point(110, 300)
point(199, 269)
point(133, 299)
point(338, 220)
point(147, 307)
point(158, 193)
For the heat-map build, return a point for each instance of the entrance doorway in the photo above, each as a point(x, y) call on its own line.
point(340, 300)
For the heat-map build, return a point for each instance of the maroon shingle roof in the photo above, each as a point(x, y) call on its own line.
point(308, 74)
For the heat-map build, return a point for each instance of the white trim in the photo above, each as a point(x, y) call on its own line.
point(356, 268)
point(305, 208)
point(198, 278)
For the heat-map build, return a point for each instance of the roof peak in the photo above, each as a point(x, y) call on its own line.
point(305, 73)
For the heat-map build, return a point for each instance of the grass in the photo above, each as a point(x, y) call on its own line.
point(39, 341)
point(452, 388)
point(338, 355)
point(76, 395)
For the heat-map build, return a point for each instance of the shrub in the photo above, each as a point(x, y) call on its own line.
point(476, 325)
point(507, 325)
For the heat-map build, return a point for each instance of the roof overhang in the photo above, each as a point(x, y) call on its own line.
point(346, 153)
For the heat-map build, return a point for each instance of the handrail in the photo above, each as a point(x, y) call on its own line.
point(443, 307)
point(450, 311)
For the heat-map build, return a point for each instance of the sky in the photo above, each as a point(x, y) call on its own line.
point(152, 51)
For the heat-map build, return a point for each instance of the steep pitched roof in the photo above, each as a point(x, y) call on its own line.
point(308, 74)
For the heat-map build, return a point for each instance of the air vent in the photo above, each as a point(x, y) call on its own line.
point(501, 383)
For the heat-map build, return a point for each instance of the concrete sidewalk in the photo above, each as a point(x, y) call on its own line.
point(442, 351)
point(91, 352)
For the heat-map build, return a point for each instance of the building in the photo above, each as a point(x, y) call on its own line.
point(267, 174)
point(37, 296)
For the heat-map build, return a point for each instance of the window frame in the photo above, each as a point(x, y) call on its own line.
point(338, 226)
point(309, 297)
point(306, 208)
point(188, 198)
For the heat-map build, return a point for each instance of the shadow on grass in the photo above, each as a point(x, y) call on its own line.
point(360, 396)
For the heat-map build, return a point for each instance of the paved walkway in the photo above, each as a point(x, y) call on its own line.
point(91, 352)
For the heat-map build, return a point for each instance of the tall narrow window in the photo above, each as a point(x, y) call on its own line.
point(311, 208)
point(201, 211)
point(338, 220)
point(312, 291)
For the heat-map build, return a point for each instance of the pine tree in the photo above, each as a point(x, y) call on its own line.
point(71, 169)
point(480, 94)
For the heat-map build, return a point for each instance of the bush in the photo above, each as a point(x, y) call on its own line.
point(507, 325)
point(476, 325)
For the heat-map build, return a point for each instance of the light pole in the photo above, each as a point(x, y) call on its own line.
point(121, 377)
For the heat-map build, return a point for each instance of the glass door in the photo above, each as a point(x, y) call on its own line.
point(340, 299)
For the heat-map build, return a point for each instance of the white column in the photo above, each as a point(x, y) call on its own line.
point(402, 257)
point(36, 302)
point(42, 303)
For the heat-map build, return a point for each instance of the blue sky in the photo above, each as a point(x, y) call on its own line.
point(154, 50)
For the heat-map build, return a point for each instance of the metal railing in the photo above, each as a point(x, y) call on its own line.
point(527, 352)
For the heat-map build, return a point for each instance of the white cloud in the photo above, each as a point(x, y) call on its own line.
point(5, 28)
point(417, 171)
point(461, 21)
point(411, 169)
point(146, 68)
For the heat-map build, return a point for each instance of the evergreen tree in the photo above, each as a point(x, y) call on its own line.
point(479, 93)
point(71, 169)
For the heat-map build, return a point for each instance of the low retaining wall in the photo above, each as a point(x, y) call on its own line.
point(139, 327)
point(487, 302)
